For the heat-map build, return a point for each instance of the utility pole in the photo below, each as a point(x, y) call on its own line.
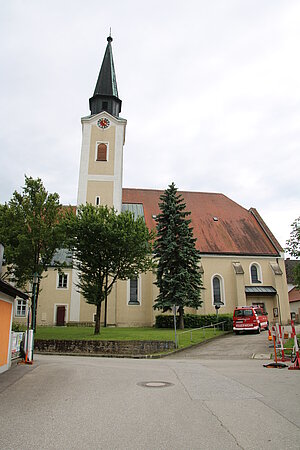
point(34, 292)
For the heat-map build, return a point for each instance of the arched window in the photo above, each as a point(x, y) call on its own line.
point(218, 290)
point(134, 291)
point(102, 152)
point(255, 273)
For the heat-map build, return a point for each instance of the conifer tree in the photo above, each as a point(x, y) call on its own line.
point(178, 276)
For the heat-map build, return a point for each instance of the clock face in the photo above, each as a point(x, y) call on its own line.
point(103, 123)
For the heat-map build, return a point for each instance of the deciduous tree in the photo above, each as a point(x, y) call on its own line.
point(106, 247)
point(293, 247)
point(29, 232)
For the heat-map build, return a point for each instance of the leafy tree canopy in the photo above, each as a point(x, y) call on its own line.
point(178, 276)
point(293, 247)
point(106, 246)
point(29, 231)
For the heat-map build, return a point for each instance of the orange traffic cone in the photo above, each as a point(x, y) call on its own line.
point(270, 335)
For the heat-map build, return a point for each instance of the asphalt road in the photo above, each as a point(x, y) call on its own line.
point(103, 403)
point(231, 346)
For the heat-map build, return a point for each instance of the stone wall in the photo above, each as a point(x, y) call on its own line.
point(125, 348)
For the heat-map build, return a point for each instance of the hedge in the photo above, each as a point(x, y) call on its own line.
point(80, 324)
point(194, 321)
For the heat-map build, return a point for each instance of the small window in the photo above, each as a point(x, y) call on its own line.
point(133, 296)
point(255, 273)
point(21, 308)
point(105, 106)
point(97, 201)
point(102, 152)
point(62, 281)
point(218, 291)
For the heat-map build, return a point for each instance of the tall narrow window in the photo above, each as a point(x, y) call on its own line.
point(62, 281)
point(101, 152)
point(218, 291)
point(133, 291)
point(97, 201)
point(255, 273)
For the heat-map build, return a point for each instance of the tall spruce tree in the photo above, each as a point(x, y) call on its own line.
point(178, 276)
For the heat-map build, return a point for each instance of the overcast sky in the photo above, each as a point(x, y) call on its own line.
point(210, 90)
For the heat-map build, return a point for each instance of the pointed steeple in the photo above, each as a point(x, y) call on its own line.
point(106, 96)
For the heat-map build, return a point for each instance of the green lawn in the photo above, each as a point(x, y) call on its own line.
point(290, 344)
point(140, 334)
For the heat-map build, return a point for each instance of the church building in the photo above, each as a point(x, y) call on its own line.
point(242, 263)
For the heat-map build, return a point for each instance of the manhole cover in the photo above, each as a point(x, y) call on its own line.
point(155, 384)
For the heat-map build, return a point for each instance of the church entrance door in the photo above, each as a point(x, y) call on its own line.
point(60, 316)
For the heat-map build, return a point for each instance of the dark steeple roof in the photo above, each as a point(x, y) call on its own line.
point(106, 96)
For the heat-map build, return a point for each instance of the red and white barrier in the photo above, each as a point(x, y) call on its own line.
point(296, 365)
point(279, 334)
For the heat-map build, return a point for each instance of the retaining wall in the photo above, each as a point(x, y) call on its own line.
point(103, 347)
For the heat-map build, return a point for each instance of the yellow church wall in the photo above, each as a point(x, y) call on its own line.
point(135, 315)
point(87, 311)
point(50, 296)
point(104, 189)
point(223, 266)
point(106, 136)
point(282, 290)
point(120, 313)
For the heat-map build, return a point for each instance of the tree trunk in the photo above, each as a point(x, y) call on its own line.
point(181, 319)
point(105, 302)
point(98, 316)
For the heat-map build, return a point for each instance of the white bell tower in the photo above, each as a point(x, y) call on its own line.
point(101, 162)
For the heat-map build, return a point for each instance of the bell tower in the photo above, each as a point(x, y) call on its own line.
point(103, 137)
point(101, 161)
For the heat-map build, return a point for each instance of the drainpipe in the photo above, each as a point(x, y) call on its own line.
point(278, 304)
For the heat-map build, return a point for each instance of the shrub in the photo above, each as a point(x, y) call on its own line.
point(80, 324)
point(18, 327)
point(194, 321)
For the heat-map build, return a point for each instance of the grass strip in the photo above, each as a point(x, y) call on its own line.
point(124, 334)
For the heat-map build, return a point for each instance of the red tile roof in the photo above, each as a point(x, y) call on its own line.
point(236, 231)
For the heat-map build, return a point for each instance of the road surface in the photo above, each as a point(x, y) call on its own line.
point(107, 403)
point(231, 346)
